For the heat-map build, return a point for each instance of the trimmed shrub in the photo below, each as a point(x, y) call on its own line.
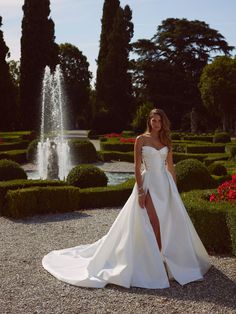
point(13, 146)
point(175, 136)
point(44, 200)
point(210, 217)
point(82, 151)
point(203, 138)
point(217, 169)
point(205, 149)
point(177, 157)
point(113, 155)
point(222, 137)
point(215, 157)
point(233, 153)
point(192, 174)
point(31, 152)
point(11, 170)
point(5, 186)
point(85, 176)
point(119, 147)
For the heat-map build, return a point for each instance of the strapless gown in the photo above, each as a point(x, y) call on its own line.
point(128, 255)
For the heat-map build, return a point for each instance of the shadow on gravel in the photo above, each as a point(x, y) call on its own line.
point(216, 288)
point(40, 219)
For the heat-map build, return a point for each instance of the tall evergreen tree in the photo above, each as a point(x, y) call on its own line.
point(37, 50)
point(110, 8)
point(77, 84)
point(115, 79)
point(7, 90)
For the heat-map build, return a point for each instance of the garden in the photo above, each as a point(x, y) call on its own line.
point(206, 178)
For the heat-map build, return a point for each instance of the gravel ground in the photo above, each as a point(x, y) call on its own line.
point(27, 288)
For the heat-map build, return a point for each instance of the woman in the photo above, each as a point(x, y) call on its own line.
point(152, 239)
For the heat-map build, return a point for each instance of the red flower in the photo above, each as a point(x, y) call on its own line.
point(226, 191)
point(213, 198)
point(234, 178)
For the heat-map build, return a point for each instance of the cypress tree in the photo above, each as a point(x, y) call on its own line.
point(37, 50)
point(7, 90)
point(110, 8)
point(114, 88)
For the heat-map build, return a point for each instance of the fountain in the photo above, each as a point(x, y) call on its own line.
point(53, 150)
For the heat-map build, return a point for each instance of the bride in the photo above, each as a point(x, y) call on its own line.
point(152, 239)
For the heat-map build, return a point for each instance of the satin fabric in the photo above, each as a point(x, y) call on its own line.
point(128, 255)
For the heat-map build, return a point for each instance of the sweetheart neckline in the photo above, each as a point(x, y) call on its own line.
point(154, 147)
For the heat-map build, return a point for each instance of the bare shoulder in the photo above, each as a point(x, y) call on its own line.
point(139, 140)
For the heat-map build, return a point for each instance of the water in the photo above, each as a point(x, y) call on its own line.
point(53, 155)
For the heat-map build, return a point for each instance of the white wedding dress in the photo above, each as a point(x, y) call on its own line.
point(128, 255)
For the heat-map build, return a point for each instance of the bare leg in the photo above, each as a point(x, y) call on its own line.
point(153, 218)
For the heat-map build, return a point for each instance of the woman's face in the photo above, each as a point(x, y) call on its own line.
point(155, 122)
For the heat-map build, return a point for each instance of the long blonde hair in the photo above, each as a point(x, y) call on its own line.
point(165, 126)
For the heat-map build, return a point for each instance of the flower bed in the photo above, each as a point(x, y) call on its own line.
point(226, 191)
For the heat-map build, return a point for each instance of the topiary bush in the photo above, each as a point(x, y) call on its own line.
point(11, 170)
point(85, 176)
point(192, 174)
point(82, 151)
point(31, 153)
point(217, 169)
point(222, 137)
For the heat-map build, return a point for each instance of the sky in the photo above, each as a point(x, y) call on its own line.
point(79, 21)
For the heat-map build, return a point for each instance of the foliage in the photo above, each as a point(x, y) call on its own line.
point(28, 201)
point(84, 176)
point(11, 170)
point(192, 174)
point(82, 151)
point(217, 169)
point(113, 85)
point(233, 153)
point(8, 91)
point(226, 191)
point(210, 217)
point(77, 84)
point(31, 153)
point(222, 137)
point(218, 89)
point(169, 65)
point(139, 122)
point(38, 49)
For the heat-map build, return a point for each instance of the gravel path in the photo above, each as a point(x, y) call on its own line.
point(27, 288)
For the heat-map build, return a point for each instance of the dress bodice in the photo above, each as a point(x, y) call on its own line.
point(154, 159)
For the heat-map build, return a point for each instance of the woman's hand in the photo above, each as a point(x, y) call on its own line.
point(141, 200)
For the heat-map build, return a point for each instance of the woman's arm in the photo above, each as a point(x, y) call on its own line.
point(137, 168)
point(170, 165)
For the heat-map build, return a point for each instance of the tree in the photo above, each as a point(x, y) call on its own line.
point(110, 8)
point(218, 89)
point(14, 68)
point(117, 96)
point(174, 59)
point(77, 84)
point(37, 50)
point(7, 89)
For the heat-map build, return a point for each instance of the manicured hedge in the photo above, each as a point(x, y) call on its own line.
point(13, 146)
point(25, 202)
point(204, 138)
point(205, 149)
point(18, 155)
point(215, 222)
point(6, 186)
point(120, 147)
point(114, 155)
point(182, 156)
